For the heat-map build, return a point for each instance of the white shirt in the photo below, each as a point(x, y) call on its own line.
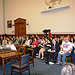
point(11, 46)
point(67, 46)
point(27, 42)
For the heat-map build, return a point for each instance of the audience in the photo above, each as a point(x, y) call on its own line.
point(46, 47)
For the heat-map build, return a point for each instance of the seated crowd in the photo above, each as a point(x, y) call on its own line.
point(50, 49)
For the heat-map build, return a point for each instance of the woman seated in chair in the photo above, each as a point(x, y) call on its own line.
point(28, 45)
point(35, 46)
point(27, 42)
point(41, 45)
point(46, 46)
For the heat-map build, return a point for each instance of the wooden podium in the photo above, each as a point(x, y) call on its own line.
point(20, 27)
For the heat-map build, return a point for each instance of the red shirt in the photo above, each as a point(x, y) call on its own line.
point(35, 43)
point(49, 35)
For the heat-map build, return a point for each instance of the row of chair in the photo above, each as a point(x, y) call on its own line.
point(23, 62)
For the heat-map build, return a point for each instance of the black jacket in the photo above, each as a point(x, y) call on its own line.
point(57, 47)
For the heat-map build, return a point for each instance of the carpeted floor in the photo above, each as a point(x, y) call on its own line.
point(40, 69)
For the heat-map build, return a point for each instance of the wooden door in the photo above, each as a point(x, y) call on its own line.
point(20, 27)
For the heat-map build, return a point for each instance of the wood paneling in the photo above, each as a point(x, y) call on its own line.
point(20, 27)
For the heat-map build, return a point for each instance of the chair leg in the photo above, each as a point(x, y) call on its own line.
point(66, 60)
point(11, 71)
point(20, 72)
point(29, 70)
point(70, 59)
point(33, 62)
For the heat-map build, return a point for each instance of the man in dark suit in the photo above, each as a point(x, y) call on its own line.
point(55, 48)
point(23, 41)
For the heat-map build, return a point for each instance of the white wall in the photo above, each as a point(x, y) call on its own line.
point(1, 17)
point(59, 21)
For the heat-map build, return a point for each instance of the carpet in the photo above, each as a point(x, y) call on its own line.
point(40, 68)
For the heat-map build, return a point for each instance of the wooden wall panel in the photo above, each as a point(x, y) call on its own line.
point(20, 27)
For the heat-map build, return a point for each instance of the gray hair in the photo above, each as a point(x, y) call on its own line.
point(68, 69)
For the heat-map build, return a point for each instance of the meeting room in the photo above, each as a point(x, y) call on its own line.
point(37, 37)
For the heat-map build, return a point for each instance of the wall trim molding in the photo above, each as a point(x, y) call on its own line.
point(52, 33)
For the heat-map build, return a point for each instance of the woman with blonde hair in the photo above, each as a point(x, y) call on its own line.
point(42, 48)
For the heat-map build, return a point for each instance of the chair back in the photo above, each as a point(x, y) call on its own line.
point(21, 49)
point(25, 59)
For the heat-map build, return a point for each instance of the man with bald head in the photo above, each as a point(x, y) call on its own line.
point(65, 51)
